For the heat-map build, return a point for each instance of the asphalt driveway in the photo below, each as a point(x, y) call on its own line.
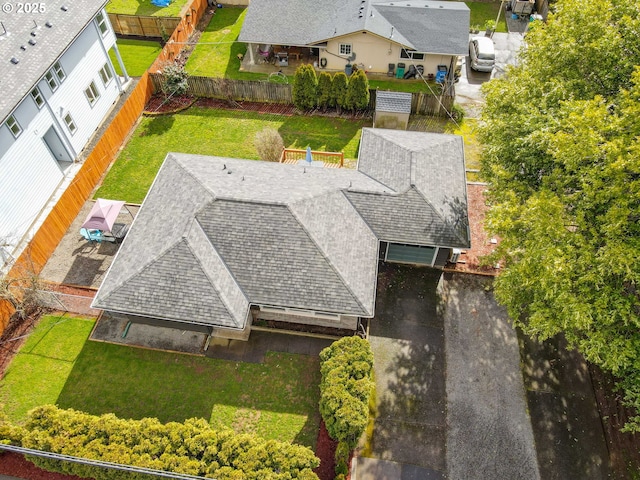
point(450, 397)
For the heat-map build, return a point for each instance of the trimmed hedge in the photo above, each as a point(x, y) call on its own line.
point(192, 447)
point(305, 87)
point(346, 367)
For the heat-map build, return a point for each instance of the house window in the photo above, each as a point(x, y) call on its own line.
point(14, 126)
point(57, 68)
point(37, 97)
point(102, 23)
point(345, 49)
point(105, 74)
point(411, 54)
point(68, 120)
point(51, 80)
point(92, 93)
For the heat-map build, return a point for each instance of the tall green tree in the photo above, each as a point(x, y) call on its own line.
point(325, 87)
point(305, 85)
point(561, 153)
point(339, 90)
point(358, 91)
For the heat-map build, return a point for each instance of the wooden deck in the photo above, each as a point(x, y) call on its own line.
point(329, 159)
point(292, 161)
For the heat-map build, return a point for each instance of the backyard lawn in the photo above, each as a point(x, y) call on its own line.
point(467, 129)
point(277, 399)
point(483, 11)
point(145, 8)
point(225, 133)
point(137, 55)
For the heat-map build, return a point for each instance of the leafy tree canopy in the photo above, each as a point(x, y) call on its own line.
point(562, 154)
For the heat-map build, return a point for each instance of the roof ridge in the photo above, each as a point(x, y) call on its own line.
point(326, 257)
point(206, 273)
point(451, 229)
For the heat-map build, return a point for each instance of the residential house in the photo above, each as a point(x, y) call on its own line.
point(219, 243)
point(374, 34)
point(57, 87)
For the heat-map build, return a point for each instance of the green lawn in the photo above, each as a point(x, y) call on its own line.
point(216, 54)
point(226, 133)
point(40, 370)
point(137, 55)
point(467, 129)
point(483, 11)
point(277, 399)
point(145, 8)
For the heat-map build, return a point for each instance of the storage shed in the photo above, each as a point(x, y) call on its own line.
point(392, 110)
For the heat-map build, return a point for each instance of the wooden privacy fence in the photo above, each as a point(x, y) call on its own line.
point(143, 26)
point(191, 15)
point(46, 239)
point(269, 92)
point(293, 155)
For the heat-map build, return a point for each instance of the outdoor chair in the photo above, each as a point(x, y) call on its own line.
point(91, 235)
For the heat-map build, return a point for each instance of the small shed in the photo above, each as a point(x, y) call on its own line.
point(392, 110)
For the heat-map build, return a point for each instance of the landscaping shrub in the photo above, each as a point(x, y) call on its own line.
point(357, 97)
point(305, 84)
point(174, 80)
point(191, 447)
point(269, 144)
point(346, 367)
point(339, 88)
point(325, 91)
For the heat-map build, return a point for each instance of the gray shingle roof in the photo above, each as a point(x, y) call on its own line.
point(284, 235)
point(274, 259)
point(426, 26)
point(405, 218)
point(18, 79)
point(394, 102)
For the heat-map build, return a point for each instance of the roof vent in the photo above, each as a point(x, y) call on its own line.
point(360, 16)
point(440, 6)
point(64, 8)
point(33, 34)
point(23, 47)
point(48, 24)
point(32, 41)
point(14, 60)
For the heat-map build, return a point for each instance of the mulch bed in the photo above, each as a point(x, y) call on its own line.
point(326, 452)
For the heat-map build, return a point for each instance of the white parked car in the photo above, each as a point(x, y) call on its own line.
point(482, 56)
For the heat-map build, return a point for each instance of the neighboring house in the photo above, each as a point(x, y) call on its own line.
point(392, 110)
point(371, 33)
point(58, 84)
point(220, 242)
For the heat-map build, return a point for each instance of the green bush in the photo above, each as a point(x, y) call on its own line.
point(191, 447)
point(269, 144)
point(346, 385)
point(325, 91)
point(305, 85)
point(174, 80)
point(357, 97)
point(339, 88)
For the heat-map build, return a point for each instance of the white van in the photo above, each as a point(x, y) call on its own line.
point(481, 54)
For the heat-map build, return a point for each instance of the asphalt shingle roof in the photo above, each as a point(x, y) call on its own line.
point(18, 79)
point(242, 232)
point(440, 27)
point(394, 102)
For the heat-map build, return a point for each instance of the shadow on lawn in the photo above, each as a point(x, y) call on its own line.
point(137, 383)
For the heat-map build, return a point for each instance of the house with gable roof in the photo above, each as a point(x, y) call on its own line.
point(373, 33)
point(221, 242)
point(58, 85)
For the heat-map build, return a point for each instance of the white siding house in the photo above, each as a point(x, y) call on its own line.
point(58, 85)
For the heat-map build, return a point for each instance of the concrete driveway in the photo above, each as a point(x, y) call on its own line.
point(468, 93)
point(450, 397)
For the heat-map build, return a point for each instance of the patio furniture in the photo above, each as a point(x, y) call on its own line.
point(91, 235)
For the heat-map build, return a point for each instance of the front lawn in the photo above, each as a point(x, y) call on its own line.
point(137, 55)
point(483, 11)
point(145, 8)
point(225, 133)
point(276, 400)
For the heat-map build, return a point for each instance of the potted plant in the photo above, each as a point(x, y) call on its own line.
point(490, 27)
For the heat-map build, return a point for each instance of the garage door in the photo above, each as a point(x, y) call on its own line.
point(410, 254)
